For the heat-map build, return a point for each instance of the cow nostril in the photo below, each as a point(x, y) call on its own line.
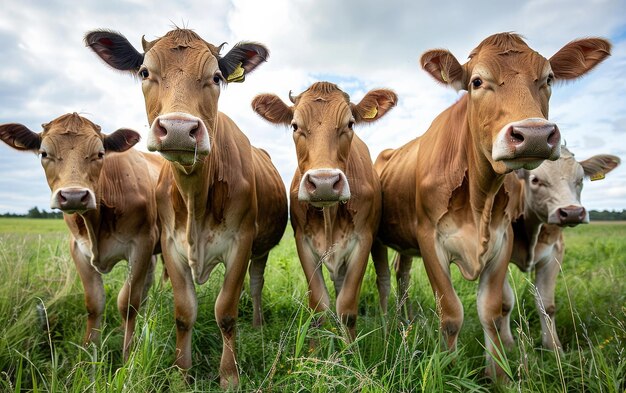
point(563, 213)
point(85, 197)
point(193, 132)
point(554, 138)
point(160, 130)
point(517, 136)
point(338, 184)
point(309, 185)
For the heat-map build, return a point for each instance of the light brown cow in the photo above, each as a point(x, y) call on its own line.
point(219, 198)
point(442, 194)
point(109, 206)
point(548, 199)
point(335, 193)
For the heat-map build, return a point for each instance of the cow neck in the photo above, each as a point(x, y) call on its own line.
point(87, 225)
point(203, 190)
point(463, 172)
point(193, 187)
point(484, 186)
point(532, 226)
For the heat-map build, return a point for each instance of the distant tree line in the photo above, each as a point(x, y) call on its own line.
point(606, 215)
point(35, 213)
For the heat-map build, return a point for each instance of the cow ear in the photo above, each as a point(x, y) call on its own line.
point(114, 49)
point(272, 109)
point(578, 57)
point(374, 105)
point(444, 67)
point(241, 60)
point(20, 137)
point(598, 166)
point(121, 140)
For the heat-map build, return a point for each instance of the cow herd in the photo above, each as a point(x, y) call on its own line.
point(488, 183)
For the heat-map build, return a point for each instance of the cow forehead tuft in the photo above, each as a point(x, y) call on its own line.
point(71, 123)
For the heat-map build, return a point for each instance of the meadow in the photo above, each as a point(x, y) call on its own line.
point(42, 321)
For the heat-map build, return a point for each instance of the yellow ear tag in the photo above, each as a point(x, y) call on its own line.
point(597, 176)
point(236, 75)
point(444, 77)
point(371, 113)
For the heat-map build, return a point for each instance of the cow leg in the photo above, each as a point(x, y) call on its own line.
point(402, 265)
point(489, 303)
point(348, 299)
point(508, 303)
point(257, 280)
point(226, 310)
point(449, 305)
point(546, 274)
point(381, 265)
point(94, 295)
point(130, 296)
point(185, 306)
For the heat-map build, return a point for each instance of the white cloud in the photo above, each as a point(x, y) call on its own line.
point(46, 70)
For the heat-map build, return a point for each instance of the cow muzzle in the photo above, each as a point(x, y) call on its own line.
point(571, 215)
point(179, 137)
point(73, 200)
point(324, 187)
point(527, 143)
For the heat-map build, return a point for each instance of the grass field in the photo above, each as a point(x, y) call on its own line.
point(42, 320)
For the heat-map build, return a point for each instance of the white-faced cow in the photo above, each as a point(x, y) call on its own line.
point(335, 193)
point(108, 202)
point(442, 192)
point(219, 199)
point(548, 199)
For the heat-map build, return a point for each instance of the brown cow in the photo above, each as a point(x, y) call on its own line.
point(335, 193)
point(219, 198)
point(108, 203)
point(548, 199)
point(442, 194)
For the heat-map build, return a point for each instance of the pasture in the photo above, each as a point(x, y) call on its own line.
point(42, 321)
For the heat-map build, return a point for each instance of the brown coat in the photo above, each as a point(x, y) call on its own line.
point(442, 194)
point(335, 192)
point(219, 199)
point(106, 192)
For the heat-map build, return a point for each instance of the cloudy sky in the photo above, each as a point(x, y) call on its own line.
point(46, 71)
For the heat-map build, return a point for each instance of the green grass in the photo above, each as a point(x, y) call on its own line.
point(42, 320)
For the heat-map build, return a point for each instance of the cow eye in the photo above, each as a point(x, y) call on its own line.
point(100, 155)
point(477, 82)
point(549, 80)
point(294, 127)
point(218, 78)
point(534, 180)
point(143, 73)
point(351, 124)
point(43, 154)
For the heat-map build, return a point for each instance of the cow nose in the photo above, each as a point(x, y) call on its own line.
point(74, 199)
point(570, 215)
point(179, 137)
point(536, 139)
point(176, 129)
point(324, 185)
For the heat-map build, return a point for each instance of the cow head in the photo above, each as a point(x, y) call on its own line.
point(72, 151)
point(552, 190)
point(182, 76)
point(509, 86)
point(322, 119)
